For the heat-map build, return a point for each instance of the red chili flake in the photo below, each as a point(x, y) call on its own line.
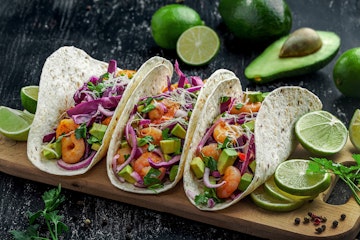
point(317, 221)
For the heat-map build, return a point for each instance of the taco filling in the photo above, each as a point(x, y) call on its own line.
point(79, 134)
point(152, 142)
point(225, 157)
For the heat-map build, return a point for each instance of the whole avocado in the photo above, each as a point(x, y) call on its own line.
point(256, 20)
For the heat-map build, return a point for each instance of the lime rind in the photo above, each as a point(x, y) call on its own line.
point(321, 133)
point(266, 201)
point(292, 177)
point(29, 97)
point(272, 189)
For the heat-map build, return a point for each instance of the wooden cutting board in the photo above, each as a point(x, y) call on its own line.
point(243, 217)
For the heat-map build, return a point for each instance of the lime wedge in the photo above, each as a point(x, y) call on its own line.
point(272, 189)
point(321, 133)
point(29, 97)
point(354, 129)
point(15, 124)
point(291, 177)
point(266, 201)
point(197, 45)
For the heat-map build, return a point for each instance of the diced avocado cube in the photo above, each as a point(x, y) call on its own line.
point(126, 174)
point(178, 131)
point(252, 166)
point(264, 94)
point(198, 167)
point(140, 108)
point(173, 172)
point(249, 125)
point(226, 159)
point(212, 180)
point(95, 146)
point(124, 144)
point(245, 181)
point(52, 150)
point(98, 130)
point(255, 96)
point(169, 146)
point(167, 157)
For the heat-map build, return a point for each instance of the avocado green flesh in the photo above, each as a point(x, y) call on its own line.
point(268, 66)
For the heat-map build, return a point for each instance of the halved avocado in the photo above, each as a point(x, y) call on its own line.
point(268, 66)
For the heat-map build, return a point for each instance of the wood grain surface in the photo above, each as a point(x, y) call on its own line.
point(33, 29)
point(243, 217)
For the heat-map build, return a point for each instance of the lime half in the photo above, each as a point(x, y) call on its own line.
point(291, 177)
point(198, 45)
point(266, 201)
point(321, 133)
point(29, 97)
point(15, 124)
point(354, 129)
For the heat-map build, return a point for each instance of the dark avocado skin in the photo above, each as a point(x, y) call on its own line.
point(268, 67)
point(256, 20)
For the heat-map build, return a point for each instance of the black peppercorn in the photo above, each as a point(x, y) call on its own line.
point(297, 221)
point(335, 224)
point(319, 230)
point(342, 217)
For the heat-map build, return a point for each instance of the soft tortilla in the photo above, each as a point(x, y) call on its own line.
point(63, 73)
point(151, 88)
point(274, 133)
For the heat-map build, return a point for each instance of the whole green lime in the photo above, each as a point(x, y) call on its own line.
point(346, 73)
point(170, 21)
point(256, 20)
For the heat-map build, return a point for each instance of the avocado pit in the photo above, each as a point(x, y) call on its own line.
point(301, 42)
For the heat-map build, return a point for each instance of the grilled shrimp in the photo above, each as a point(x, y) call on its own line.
point(141, 165)
point(72, 149)
point(123, 153)
point(155, 133)
point(211, 150)
point(232, 178)
point(223, 130)
point(65, 126)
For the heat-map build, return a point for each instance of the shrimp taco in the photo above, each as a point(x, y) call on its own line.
point(241, 141)
point(80, 99)
point(146, 153)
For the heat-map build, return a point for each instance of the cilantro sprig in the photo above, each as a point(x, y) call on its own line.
point(52, 200)
point(349, 174)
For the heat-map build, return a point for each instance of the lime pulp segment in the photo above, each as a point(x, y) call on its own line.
point(291, 176)
point(321, 133)
point(198, 45)
point(31, 91)
point(29, 97)
point(15, 124)
point(354, 129)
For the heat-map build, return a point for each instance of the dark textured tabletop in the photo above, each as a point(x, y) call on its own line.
point(31, 30)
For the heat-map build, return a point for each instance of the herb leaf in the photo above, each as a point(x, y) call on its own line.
point(80, 132)
point(349, 174)
point(52, 200)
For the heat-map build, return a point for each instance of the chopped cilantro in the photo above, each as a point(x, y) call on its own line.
point(81, 131)
point(152, 177)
